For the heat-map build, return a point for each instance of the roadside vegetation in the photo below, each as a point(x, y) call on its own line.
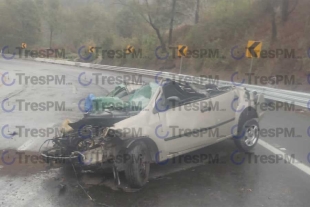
point(216, 25)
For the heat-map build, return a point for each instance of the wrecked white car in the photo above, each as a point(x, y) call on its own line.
point(177, 119)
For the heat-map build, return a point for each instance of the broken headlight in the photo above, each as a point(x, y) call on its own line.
point(85, 144)
point(114, 133)
point(108, 134)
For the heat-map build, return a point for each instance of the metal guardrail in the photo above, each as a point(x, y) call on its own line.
point(290, 97)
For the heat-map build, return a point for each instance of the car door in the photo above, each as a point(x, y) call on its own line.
point(224, 114)
point(185, 125)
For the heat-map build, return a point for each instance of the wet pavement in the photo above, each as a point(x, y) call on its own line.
point(221, 183)
point(234, 179)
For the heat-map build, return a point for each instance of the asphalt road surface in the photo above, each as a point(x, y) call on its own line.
point(234, 179)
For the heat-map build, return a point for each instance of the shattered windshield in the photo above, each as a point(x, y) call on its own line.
point(120, 99)
point(142, 96)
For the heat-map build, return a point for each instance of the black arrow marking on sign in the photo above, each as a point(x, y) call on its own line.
point(251, 49)
point(91, 49)
point(182, 50)
point(129, 49)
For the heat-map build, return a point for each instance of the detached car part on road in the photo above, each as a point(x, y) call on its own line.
point(150, 136)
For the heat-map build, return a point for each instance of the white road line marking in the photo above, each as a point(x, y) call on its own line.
point(296, 162)
point(73, 89)
point(31, 141)
point(26, 145)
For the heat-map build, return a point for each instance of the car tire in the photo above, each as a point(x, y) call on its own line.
point(248, 135)
point(138, 165)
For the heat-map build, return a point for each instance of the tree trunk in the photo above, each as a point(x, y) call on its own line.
point(270, 9)
point(161, 40)
point(285, 5)
point(273, 25)
point(171, 21)
point(197, 12)
point(51, 37)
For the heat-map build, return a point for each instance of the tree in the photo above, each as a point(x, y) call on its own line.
point(20, 22)
point(171, 21)
point(124, 23)
point(156, 14)
point(52, 14)
point(270, 9)
point(197, 11)
point(285, 9)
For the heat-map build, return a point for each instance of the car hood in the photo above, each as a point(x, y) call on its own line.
point(104, 119)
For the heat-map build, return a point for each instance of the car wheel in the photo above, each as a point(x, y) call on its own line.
point(138, 165)
point(248, 135)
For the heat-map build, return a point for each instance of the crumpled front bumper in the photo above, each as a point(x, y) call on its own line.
point(75, 158)
point(87, 158)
